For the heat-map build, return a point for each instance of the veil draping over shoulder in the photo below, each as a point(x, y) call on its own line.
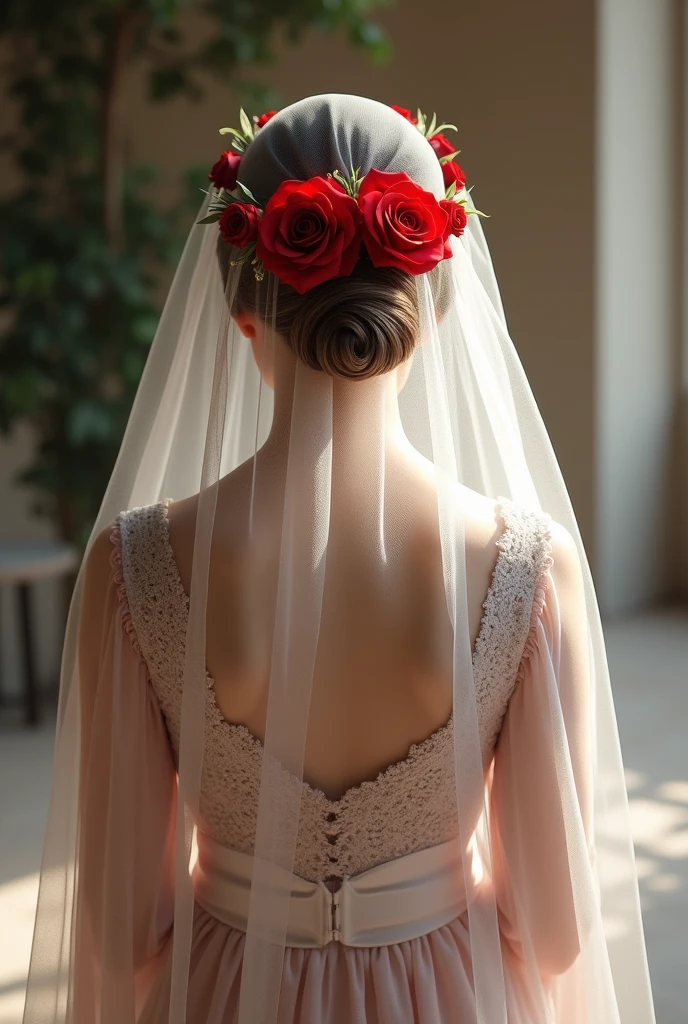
point(554, 798)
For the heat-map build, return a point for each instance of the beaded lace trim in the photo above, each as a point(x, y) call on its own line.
point(406, 807)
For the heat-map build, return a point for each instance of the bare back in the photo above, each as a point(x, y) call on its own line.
point(383, 672)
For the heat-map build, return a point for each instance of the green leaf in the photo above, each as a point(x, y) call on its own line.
point(210, 219)
point(343, 181)
point(246, 126)
point(238, 142)
point(443, 128)
point(219, 204)
point(431, 130)
point(449, 157)
point(246, 192)
point(451, 190)
point(469, 209)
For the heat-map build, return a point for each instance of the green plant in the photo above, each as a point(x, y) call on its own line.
point(84, 242)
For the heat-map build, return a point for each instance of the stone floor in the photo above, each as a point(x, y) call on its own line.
point(648, 660)
point(648, 657)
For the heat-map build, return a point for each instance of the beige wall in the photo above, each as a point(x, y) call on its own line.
point(638, 388)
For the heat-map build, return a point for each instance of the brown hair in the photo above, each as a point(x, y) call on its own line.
point(354, 327)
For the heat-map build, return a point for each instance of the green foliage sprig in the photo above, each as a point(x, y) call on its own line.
point(219, 201)
point(241, 137)
point(351, 183)
point(429, 126)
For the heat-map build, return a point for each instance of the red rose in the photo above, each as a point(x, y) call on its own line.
point(223, 173)
point(239, 224)
point(441, 144)
point(457, 216)
point(310, 232)
point(451, 172)
point(264, 118)
point(405, 113)
point(403, 225)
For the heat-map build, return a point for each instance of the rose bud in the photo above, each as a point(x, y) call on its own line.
point(457, 216)
point(264, 118)
point(239, 224)
point(441, 144)
point(223, 173)
point(451, 172)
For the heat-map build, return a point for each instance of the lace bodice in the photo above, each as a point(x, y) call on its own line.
point(410, 805)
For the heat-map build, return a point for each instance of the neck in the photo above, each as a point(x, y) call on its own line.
point(355, 424)
point(363, 412)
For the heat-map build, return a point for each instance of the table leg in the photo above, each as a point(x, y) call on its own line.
point(30, 682)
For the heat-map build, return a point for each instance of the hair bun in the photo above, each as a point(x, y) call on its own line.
point(358, 326)
point(352, 327)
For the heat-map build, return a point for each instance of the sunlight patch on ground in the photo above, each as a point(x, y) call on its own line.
point(661, 828)
point(18, 905)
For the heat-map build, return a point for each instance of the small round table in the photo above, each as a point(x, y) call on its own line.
point(23, 563)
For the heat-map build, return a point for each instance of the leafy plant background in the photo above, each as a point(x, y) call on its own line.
point(84, 241)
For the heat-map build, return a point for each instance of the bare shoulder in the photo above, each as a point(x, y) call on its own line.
point(564, 548)
point(229, 520)
point(181, 519)
point(567, 567)
point(481, 520)
point(483, 530)
point(233, 496)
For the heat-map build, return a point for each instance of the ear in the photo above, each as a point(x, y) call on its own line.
point(246, 323)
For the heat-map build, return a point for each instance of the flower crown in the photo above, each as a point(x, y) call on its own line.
point(312, 231)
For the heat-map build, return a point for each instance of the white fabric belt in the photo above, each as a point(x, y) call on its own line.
point(393, 902)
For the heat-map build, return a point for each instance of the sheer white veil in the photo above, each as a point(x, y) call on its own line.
point(202, 410)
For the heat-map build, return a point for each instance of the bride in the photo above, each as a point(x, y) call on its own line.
point(336, 740)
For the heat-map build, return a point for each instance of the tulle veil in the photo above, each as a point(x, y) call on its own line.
point(202, 409)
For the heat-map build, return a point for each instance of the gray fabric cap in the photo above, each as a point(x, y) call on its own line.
point(335, 131)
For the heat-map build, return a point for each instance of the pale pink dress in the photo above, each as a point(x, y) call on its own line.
point(409, 806)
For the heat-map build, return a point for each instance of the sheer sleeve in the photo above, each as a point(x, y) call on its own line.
point(127, 805)
point(541, 785)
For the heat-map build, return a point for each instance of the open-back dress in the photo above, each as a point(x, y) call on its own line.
point(409, 807)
